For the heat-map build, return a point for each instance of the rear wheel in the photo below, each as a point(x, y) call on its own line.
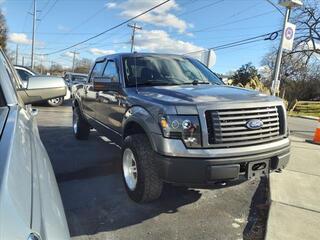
point(81, 128)
point(55, 102)
point(139, 173)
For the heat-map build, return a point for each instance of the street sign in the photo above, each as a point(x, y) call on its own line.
point(289, 32)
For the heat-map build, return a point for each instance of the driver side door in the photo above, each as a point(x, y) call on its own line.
point(89, 97)
point(110, 106)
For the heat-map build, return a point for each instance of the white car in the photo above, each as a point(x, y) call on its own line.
point(25, 73)
point(30, 202)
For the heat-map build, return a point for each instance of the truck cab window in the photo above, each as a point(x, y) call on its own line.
point(97, 70)
point(111, 72)
point(24, 75)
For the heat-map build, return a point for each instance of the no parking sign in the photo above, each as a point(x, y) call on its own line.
point(288, 36)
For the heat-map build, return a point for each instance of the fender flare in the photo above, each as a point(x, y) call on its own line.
point(145, 120)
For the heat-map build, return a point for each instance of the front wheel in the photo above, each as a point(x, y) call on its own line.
point(55, 102)
point(138, 171)
point(81, 128)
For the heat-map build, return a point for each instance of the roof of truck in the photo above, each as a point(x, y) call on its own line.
point(137, 54)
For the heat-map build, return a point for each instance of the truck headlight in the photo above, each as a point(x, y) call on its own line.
point(186, 128)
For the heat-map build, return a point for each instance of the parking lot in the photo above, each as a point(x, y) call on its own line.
point(97, 206)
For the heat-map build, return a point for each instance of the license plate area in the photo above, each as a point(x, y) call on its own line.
point(258, 168)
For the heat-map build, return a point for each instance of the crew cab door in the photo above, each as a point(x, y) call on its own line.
point(89, 97)
point(110, 106)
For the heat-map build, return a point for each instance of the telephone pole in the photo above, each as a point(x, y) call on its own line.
point(134, 27)
point(74, 59)
point(17, 54)
point(33, 32)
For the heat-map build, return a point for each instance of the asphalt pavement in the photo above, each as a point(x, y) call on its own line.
point(301, 127)
point(97, 207)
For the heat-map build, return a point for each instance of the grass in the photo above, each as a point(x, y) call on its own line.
point(306, 108)
point(296, 114)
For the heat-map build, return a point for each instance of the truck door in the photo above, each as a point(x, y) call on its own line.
point(89, 97)
point(110, 106)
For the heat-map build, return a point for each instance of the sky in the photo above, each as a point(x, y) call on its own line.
point(179, 26)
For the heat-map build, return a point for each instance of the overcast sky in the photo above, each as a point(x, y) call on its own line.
point(179, 26)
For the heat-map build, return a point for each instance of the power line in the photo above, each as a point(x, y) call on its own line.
point(267, 36)
point(45, 6)
point(110, 29)
point(49, 10)
point(26, 17)
point(84, 21)
point(200, 8)
point(275, 6)
point(232, 22)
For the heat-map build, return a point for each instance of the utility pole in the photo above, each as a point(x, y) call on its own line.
point(33, 32)
point(276, 82)
point(74, 59)
point(22, 60)
point(289, 4)
point(134, 27)
point(17, 54)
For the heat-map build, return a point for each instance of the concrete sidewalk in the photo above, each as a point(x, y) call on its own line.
point(295, 195)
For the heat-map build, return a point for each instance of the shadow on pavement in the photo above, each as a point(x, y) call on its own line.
point(257, 219)
point(88, 174)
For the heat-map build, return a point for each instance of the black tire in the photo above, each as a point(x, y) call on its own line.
point(81, 127)
point(55, 102)
point(149, 185)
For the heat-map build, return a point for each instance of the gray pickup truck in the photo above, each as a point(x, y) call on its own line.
point(178, 123)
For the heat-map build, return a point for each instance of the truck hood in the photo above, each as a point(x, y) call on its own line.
point(201, 94)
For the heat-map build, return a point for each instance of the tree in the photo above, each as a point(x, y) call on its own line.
point(299, 72)
point(83, 66)
point(56, 69)
point(247, 76)
point(3, 32)
point(307, 39)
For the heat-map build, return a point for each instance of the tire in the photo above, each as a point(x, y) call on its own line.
point(81, 128)
point(55, 102)
point(148, 185)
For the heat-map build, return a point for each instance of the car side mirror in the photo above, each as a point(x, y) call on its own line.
point(105, 84)
point(42, 88)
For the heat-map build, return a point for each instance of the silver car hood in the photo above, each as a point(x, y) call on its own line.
point(201, 94)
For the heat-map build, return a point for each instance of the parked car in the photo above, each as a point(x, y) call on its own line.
point(30, 203)
point(75, 78)
point(177, 122)
point(25, 73)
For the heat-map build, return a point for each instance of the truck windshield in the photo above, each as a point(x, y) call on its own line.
point(79, 78)
point(166, 70)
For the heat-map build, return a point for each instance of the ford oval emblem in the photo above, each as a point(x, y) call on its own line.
point(254, 124)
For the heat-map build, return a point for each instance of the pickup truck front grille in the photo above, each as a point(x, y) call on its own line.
point(228, 128)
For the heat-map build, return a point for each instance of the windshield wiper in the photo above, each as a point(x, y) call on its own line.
point(155, 83)
point(196, 82)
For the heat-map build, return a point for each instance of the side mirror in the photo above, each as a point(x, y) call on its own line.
point(105, 84)
point(42, 88)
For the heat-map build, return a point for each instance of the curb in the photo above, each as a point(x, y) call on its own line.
point(306, 117)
